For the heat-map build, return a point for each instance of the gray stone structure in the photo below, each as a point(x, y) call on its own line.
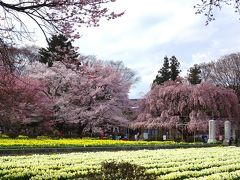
point(234, 129)
point(227, 132)
point(212, 132)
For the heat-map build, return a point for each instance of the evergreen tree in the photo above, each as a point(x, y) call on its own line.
point(59, 48)
point(174, 68)
point(194, 74)
point(163, 73)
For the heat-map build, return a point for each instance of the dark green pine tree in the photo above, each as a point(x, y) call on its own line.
point(59, 48)
point(163, 73)
point(194, 74)
point(174, 68)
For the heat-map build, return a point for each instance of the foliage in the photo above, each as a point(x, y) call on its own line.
point(194, 75)
point(207, 7)
point(169, 71)
point(59, 48)
point(195, 163)
point(224, 72)
point(51, 16)
point(123, 170)
point(175, 103)
point(174, 68)
point(163, 73)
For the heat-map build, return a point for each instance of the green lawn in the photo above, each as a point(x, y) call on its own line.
point(193, 163)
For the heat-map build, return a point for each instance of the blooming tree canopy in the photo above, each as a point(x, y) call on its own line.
point(20, 98)
point(176, 103)
point(92, 98)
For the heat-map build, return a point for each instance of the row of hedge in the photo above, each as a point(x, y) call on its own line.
point(46, 150)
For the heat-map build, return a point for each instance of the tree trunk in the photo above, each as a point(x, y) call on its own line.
point(80, 128)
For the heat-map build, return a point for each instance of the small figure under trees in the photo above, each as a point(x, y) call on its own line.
point(169, 71)
point(174, 102)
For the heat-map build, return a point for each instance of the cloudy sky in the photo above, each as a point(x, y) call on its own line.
point(152, 29)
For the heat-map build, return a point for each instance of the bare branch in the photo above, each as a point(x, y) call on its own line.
point(207, 7)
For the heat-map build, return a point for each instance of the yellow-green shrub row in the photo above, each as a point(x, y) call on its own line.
point(7, 142)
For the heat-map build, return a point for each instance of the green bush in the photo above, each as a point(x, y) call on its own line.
point(119, 171)
point(123, 170)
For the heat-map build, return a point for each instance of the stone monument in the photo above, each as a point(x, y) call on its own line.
point(227, 132)
point(212, 132)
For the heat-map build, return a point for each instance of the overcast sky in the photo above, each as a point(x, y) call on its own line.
point(152, 29)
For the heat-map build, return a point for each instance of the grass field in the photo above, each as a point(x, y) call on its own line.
point(193, 163)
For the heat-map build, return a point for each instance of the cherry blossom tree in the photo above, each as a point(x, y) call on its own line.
point(51, 16)
point(176, 102)
point(21, 99)
point(91, 99)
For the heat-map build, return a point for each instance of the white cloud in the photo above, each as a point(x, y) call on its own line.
point(134, 37)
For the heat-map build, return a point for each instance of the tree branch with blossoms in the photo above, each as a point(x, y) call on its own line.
point(51, 16)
